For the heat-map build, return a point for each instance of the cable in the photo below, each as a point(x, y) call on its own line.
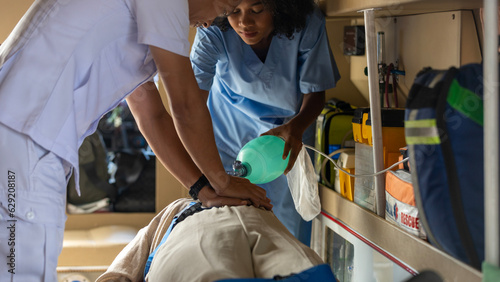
point(344, 139)
point(395, 88)
point(350, 174)
point(387, 76)
point(323, 165)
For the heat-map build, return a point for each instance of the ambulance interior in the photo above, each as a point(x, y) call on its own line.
point(358, 243)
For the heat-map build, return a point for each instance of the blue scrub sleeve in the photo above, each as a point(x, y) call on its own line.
point(205, 54)
point(317, 68)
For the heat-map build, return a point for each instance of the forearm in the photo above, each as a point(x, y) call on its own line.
point(312, 106)
point(194, 126)
point(293, 130)
point(158, 129)
point(191, 116)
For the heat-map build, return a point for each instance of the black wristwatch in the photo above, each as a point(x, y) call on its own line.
point(195, 189)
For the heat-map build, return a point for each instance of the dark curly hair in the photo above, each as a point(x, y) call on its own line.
point(289, 16)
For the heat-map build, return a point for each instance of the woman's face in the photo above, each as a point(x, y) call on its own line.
point(253, 23)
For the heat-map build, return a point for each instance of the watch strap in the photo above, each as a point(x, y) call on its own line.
point(195, 189)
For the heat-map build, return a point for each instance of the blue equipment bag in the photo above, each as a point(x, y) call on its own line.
point(444, 133)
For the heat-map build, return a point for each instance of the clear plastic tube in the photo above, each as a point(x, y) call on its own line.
point(350, 174)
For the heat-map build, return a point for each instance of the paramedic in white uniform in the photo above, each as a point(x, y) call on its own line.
point(63, 67)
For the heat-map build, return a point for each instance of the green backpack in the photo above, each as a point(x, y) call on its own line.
point(333, 132)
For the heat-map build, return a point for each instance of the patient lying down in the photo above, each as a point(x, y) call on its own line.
point(212, 244)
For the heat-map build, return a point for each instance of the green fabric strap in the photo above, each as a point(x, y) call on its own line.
point(491, 273)
point(466, 102)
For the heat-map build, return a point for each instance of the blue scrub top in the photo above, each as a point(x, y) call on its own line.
point(249, 97)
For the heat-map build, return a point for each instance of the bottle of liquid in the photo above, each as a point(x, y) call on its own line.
point(260, 160)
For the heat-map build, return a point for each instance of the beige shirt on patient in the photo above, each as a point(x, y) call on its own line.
point(218, 243)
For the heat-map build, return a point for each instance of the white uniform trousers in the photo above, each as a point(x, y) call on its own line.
point(230, 242)
point(32, 209)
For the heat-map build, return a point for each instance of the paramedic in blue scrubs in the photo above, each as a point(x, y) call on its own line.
point(62, 68)
point(264, 70)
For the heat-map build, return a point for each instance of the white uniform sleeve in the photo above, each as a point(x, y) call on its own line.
point(205, 53)
point(164, 24)
point(317, 67)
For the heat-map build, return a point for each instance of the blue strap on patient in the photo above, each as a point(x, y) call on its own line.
point(164, 239)
point(322, 272)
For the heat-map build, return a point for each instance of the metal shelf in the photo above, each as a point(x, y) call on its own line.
point(413, 251)
point(349, 8)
